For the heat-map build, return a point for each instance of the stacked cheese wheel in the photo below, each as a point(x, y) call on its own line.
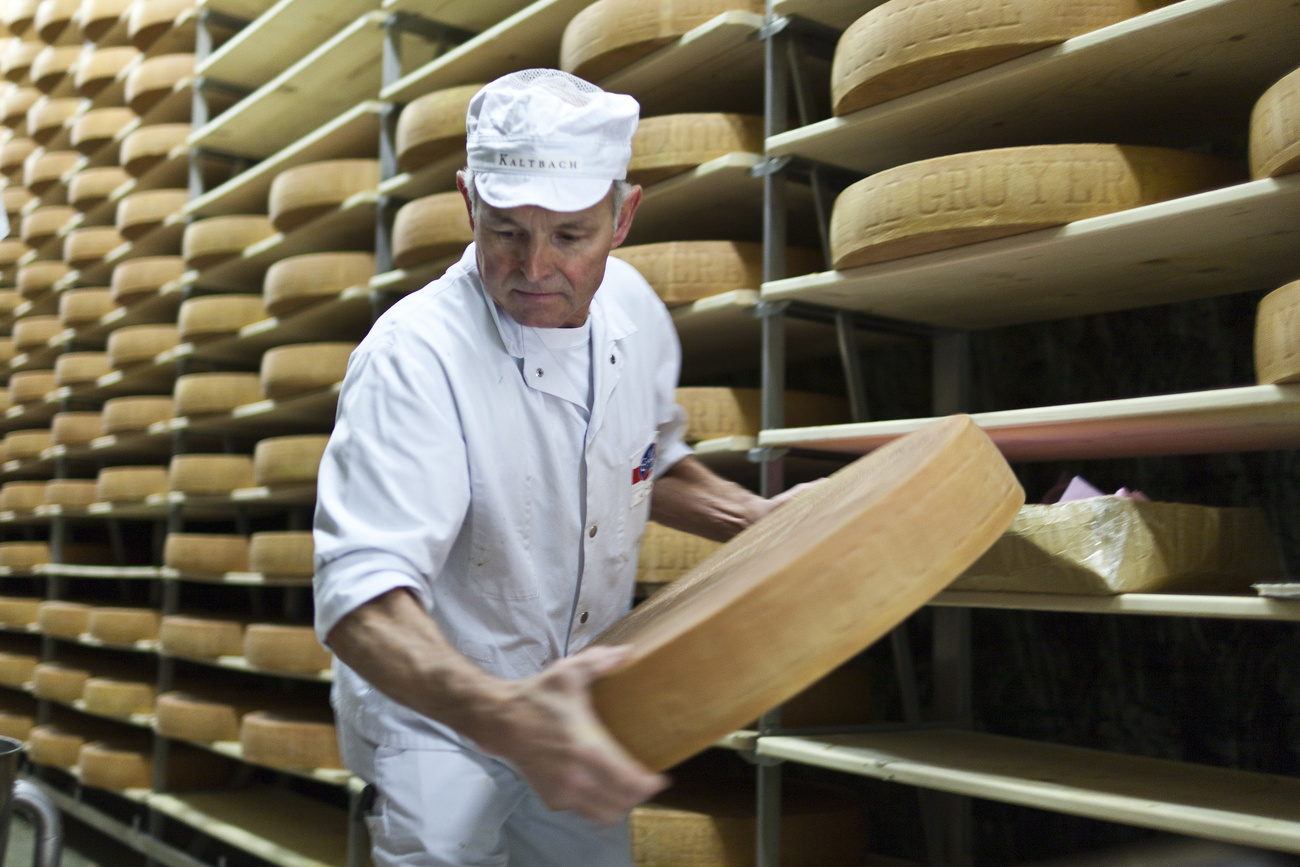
point(681, 272)
point(671, 144)
point(713, 413)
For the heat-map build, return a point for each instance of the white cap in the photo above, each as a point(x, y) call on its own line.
point(544, 137)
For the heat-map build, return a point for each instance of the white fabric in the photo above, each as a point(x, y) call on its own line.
point(570, 349)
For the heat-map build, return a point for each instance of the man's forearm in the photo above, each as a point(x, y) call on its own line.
point(692, 498)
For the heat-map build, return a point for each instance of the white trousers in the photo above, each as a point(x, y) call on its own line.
point(453, 807)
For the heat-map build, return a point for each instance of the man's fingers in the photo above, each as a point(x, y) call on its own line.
point(594, 662)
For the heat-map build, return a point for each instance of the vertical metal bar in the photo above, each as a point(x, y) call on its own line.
point(846, 334)
point(392, 57)
point(388, 116)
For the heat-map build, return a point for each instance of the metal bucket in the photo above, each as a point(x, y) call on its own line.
point(33, 804)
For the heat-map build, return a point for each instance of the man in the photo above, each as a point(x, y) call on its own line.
point(503, 435)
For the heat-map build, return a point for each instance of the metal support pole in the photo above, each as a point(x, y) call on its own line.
point(846, 334)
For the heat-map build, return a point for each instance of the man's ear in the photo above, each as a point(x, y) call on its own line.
point(623, 224)
point(464, 192)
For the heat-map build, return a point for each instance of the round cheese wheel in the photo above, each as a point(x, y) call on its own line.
point(681, 272)
point(96, 128)
point(430, 228)
point(200, 637)
point(83, 248)
point(155, 77)
point(42, 224)
point(1275, 130)
point(804, 589)
point(18, 15)
point(15, 199)
point(16, 668)
point(674, 143)
point(305, 192)
point(98, 17)
point(276, 647)
point(1277, 337)
point(16, 61)
point(138, 344)
point(200, 718)
point(30, 386)
point(611, 34)
point(34, 332)
point(283, 741)
point(13, 110)
point(131, 414)
point(124, 626)
point(48, 117)
point(91, 187)
point(11, 251)
point(85, 306)
point(12, 155)
point(212, 316)
point(902, 46)
point(21, 496)
point(141, 213)
point(54, 746)
point(22, 444)
point(19, 611)
point(78, 368)
point(433, 126)
point(206, 554)
point(965, 198)
point(70, 493)
point(9, 301)
point(38, 278)
point(52, 65)
point(121, 698)
point(59, 682)
point(7, 350)
point(290, 370)
point(5, 402)
point(16, 724)
point(276, 553)
point(129, 484)
point(713, 824)
point(136, 278)
point(53, 17)
point(64, 619)
point(210, 474)
point(42, 170)
point(725, 412)
point(150, 19)
point(208, 242)
point(76, 428)
point(115, 767)
point(667, 554)
point(100, 67)
point(292, 460)
point(150, 145)
point(23, 555)
point(204, 393)
point(298, 281)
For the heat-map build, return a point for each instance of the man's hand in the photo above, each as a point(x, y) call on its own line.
point(547, 729)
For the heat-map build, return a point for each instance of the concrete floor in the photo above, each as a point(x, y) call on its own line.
point(77, 841)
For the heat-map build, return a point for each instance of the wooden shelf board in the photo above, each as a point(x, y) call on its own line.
point(1227, 606)
point(245, 9)
point(742, 740)
point(407, 280)
point(216, 504)
point(137, 510)
point(354, 133)
point(336, 76)
point(1202, 801)
point(235, 750)
point(1134, 78)
point(114, 573)
point(1233, 239)
point(476, 15)
point(157, 308)
point(27, 415)
point(243, 579)
point(239, 663)
point(437, 177)
point(312, 412)
point(1251, 418)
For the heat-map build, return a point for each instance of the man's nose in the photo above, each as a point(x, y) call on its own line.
point(537, 260)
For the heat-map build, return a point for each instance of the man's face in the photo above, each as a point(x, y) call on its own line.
point(543, 267)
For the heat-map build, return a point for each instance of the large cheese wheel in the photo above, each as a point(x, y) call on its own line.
point(212, 316)
point(22, 444)
point(17, 724)
point(16, 60)
point(150, 145)
point(137, 344)
point(675, 143)
point(123, 626)
point(205, 553)
point(16, 668)
point(76, 428)
point(53, 17)
point(64, 619)
point(100, 67)
point(42, 170)
point(610, 34)
point(131, 414)
point(276, 552)
point(201, 637)
point(91, 187)
point(11, 251)
point(141, 213)
point(9, 301)
point(305, 192)
point(684, 271)
point(433, 126)
point(210, 474)
point(85, 247)
point(34, 332)
point(71, 493)
point(136, 278)
point(78, 368)
point(18, 16)
point(13, 153)
point(52, 65)
point(38, 278)
point(48, 117)
point(130, 484)
point(194, 717)
point(98, 17)
point(667, 554)
point(21, 555)
point(85, 306)
point(13, 109)
point(276, 647)
point(713, 825)
point(59, 682)
point(804, 589)
point(965, 198)
point(155, 77)
point(121, 698)
point(42, 224)
point(724, 412)
point(15, 199)
point(430, 228)
point(300, 740)
point(216, 239)
point(290, 370)
point(150, 19)
point(54, 746)
point(1277, 336)
point(298, 281)
point(7, 353)
point(21, 496)
point(30, 386)
point(903, 46)
point(116, 767)
point(95, 129)
point(291, 460)
point(1275, 130)
point(205, 393)
point(20, 611)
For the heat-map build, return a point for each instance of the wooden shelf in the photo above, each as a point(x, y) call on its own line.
point(1202, 801)
point(239, 663)
point(312, 412)
point(234, 750)
point(1252, 418)
point(407, 280)
point(331, 79)
point(245, 9)
point(1131, 82)
point(160, 307)
point(1225, 606)
point(1233, 239)
point(437, 177)
point(342, 318)
point(476, 15)
point(107, 573)
point(242, 579)
point(217, 505)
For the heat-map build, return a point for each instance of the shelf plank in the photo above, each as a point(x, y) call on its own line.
point(1130, 82)
point(1252, 418)
point(245, 9)
point(1216, 803)
point(437, 177)
point(335, 77)
point(1225, 606)
point(476, 15)
point(404, 281)
point(342, 318)
point(1234, 239)
point(278, 38)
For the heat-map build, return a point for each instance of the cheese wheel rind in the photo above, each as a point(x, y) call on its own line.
point(206, 393)
point(120, 698)
point(301, 367)
point(130, 484)
point(64, 619)
point(430, 228)
point(188, 716)
point(285, 553)
point(1275, 130)
point(205, 553)
point(292, 460)
point(215, 239)
point(681, 272)
point(123, 626)
point(76, 428)
point(297, 281)
point(276, 647)
point(289, 741)
point(433, 126)
point(200, 637)
point(302, 193)
point(1277, 336)
point(674, 143)
point(135, 413)
point(210, 473)
point(212, 316)
point(51, 745)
